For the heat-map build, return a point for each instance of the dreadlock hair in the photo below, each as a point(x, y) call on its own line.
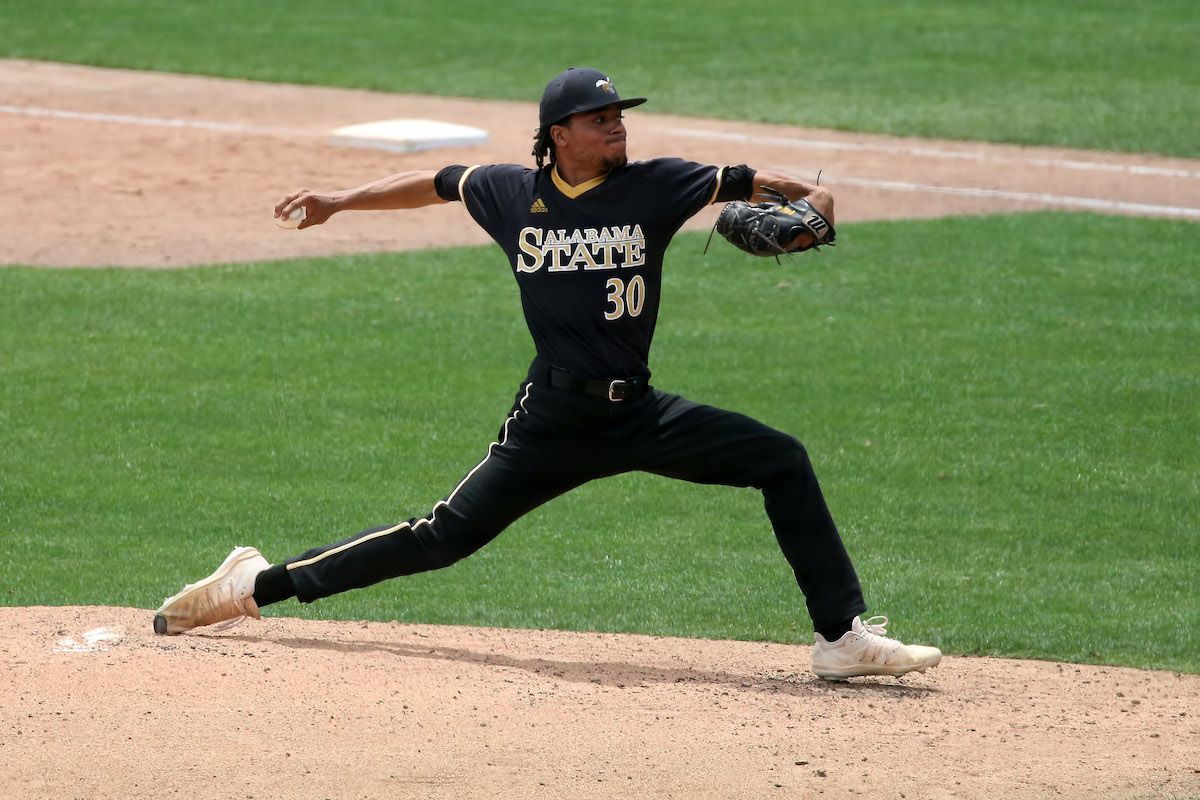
point(543, 145)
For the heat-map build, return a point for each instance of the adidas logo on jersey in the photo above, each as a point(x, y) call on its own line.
point(538, 207)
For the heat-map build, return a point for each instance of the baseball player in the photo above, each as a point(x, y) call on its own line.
point(584, 234)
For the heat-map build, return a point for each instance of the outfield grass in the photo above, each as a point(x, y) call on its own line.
point(1102, 74)
point(1002, 412)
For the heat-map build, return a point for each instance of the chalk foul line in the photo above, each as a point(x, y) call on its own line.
point(153, 122)
point(1103, 205)
point(1038, 198)
point(931, 152)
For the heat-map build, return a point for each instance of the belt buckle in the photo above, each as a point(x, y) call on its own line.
point(622, 387)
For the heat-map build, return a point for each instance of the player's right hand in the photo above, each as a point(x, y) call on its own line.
point(317, 207)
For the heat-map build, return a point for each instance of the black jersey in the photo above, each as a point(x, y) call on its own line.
point(588, 259)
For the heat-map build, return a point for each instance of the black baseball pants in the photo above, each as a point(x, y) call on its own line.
point(555, 440)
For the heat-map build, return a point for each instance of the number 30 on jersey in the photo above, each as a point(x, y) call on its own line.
point(625, 298)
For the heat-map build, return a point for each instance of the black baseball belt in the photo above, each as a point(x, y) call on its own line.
point(615, 391)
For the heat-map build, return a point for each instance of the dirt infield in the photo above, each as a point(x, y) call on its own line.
point(108, 167)
point(95, 705)
point(144, 169)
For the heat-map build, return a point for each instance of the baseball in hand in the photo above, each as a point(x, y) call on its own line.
point(292, 219)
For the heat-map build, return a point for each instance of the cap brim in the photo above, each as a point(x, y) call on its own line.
point(621, 104)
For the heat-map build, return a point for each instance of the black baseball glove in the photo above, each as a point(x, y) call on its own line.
point(774, 227)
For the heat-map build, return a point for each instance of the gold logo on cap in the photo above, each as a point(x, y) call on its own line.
point(606, 85)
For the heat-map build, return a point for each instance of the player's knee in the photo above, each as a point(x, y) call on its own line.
point(446, 552)
point(793, 459)
point(444, 546)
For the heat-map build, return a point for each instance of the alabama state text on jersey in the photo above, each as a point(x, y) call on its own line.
point(562, 250)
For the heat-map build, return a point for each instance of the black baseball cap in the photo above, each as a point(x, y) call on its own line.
point(577, 90)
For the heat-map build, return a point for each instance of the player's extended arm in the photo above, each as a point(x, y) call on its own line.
point(795, 188)
point(411, 189)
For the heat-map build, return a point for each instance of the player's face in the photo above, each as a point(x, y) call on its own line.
point(598, 138)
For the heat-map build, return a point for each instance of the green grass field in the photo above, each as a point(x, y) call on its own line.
point(1097, 74)
point(1002, 412)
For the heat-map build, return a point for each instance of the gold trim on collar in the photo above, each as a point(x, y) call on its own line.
point(574, 191)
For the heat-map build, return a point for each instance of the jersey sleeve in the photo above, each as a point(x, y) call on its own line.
point(734, 183)
point(446, 182)
point(687, 187)
point(489, 192)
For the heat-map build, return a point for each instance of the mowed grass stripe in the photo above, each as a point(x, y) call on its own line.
point(1018, 71)
point(1001, 411)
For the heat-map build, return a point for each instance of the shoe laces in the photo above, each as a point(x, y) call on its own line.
point(227, 624)
point(877, 645)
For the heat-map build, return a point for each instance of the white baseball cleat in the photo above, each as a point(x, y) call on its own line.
point(227, 594)
point(864, 650)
